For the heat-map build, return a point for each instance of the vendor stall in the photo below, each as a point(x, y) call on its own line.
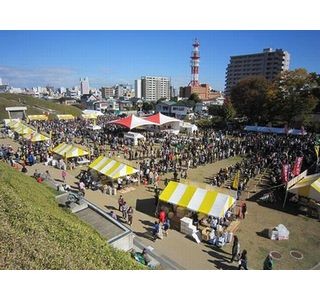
point(36, 137)
point(133, 137)
point(69, 150)
point(38, 118)
point(307, 187)
point(23, 129)
point(211, 203)
point(65, 117)
point(112, 168)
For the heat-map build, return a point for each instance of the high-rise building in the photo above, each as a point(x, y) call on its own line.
point(153, 88)
point(270, 63)
point(84, 86)
point(107, 92)
point(137, 88)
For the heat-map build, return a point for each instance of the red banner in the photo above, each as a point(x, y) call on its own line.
point(285, 173)
point(297, 166)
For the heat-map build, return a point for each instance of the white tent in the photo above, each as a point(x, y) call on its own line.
point(92, 112)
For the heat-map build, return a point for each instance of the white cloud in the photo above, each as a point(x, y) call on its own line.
point(56, 76)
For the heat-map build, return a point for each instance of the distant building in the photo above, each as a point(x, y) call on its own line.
point(154, 88)
point(137, 88)
point(178, 109)
point(107, 92)
point(269, 63)
point(84, 86)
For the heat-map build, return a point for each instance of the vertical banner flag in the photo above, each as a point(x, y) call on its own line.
point(235, 183)
point(297, 166)
point(316, 148)
point(284, 173)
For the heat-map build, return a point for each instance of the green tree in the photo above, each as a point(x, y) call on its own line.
point(147, 106)
point(215, 110)
point(228, 111)
point(195, 97)
point(296, 97)
point(251, 98)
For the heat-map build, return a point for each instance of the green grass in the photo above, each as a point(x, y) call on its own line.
point(34, 105)
point(35, 233)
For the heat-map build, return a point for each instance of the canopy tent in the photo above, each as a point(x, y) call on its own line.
point(89, 116)
point(65, 117)
point(307, 187)
point(68, 150)
point(188, 127)
point(132, 122)
point(111, 168)
point(36, 137)
point(212, 203)
point(23, 129)
point(161, 119)
point(92, 112)
point(277, 130)
point(38, 118)
point(13, 123)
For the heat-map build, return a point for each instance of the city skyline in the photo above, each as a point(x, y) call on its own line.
point(61, 58)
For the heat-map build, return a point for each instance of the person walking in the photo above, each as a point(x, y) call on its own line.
point(120, 202)
point(166, 227)
point(268, 263)
point(235, 249)
point(243, 261)
point(63, 175)
point(244, 210)
point(125, 210)
point(130, 215)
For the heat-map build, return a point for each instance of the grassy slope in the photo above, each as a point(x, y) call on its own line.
point(35, 233)
point(34, 105)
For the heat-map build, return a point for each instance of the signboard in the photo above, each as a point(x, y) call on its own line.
point(294, 180)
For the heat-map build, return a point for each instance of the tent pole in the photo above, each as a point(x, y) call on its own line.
point(285, 197)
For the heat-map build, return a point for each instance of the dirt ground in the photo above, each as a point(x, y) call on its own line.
point(304, 231)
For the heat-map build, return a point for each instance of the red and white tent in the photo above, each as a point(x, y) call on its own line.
point(132, 122)
point(161, 119)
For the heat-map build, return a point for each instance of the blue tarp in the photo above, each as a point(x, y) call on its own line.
point(277, 130)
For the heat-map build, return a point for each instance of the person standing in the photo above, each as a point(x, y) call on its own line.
point(130, 215)
point(120, 202)
point(243, 261)
point(63, 175)
point(268, 263)
point(244, 210)
point(235, 249)
point(124, 210)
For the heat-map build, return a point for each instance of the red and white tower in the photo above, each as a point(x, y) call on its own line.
point(195, 59)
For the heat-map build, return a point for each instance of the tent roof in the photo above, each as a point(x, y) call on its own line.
point(69, 150)
point(111, 168)
point(38, 117)
point(161, 119)
point(91, 111)
point(132, 122)
point(211, 203)
point(278, 130)
point(65, 117)
point(23, 129)
point(89, 116)
point(36, 137)
point(308, 187)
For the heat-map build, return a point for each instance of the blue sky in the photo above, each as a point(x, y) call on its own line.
point(60, 58)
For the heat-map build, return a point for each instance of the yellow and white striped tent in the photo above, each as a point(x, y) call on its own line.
point(36, 137)
point(23, 129)
point(14, 123)
point(65, 117)
point(212, 203)
point(38, 118)
point(307, 187)
point(111, 168)
point(68, 150)
point(89, 116)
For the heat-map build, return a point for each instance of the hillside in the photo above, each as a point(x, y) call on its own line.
point(34, 105)
point(35, 233)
